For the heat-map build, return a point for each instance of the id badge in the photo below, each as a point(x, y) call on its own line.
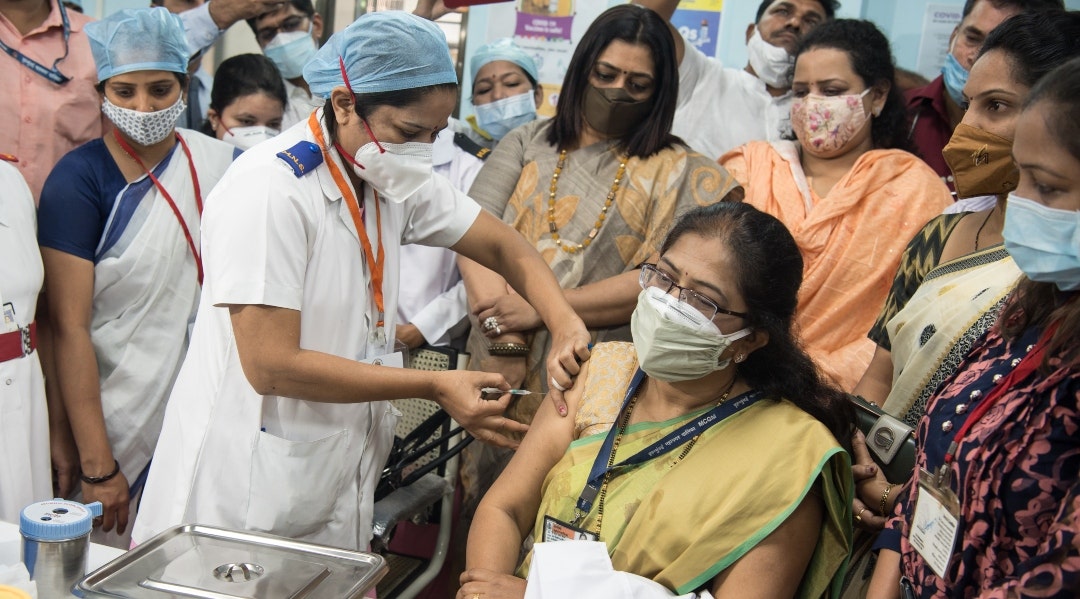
point(936, 520)
point(395, 360)
point(557, 530)
point(10, 324)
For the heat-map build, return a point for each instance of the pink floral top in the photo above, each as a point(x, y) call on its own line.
point(1016, 475)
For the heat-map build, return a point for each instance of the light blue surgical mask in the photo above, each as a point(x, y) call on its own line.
point(290, 51)
point(501, 116)
point(1044, 242)
point(955, 77)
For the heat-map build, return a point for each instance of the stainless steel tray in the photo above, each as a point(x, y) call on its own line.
point(214, 563)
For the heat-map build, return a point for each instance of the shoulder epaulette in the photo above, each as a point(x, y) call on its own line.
point(471, 147)
point(302, 158)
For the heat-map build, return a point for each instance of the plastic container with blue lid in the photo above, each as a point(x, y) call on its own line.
point(58, 520)
point(56, 543)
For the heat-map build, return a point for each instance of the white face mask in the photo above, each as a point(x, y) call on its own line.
point(248, 137)
point(501, 116)
point(771, 63)
point(290, 51)
point(396, 171)
point(144, 128)
point(675, 342)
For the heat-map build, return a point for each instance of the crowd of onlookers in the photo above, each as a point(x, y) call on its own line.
point(751, 250)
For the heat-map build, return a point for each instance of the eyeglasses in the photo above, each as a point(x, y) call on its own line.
point(266, 35)
point(653, 277)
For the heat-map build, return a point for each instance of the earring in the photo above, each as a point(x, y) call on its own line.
point(740, 358)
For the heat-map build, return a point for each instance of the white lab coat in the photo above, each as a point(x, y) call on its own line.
point(230, 457)
point(25, 473)
point(433, 297)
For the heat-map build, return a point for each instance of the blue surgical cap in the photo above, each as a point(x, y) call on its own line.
point(502, 49)
point(138, 39)
point(383, 52)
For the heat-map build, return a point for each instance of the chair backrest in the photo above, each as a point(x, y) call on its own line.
point(425, 437)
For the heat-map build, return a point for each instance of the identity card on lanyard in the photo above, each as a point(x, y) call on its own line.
point(937, 508)
point(376, 263)
point(603, 465)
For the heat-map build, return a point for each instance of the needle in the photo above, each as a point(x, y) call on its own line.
point(495, 392)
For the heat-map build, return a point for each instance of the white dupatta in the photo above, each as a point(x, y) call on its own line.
point(146, 292)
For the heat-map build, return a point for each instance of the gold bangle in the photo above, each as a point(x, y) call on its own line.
point(508, 349)
point(885, 498)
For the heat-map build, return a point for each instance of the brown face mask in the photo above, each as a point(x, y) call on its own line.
point(612, 111)
point(981, 162)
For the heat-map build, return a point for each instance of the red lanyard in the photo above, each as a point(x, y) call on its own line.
point(168, 198)
point(375, 263)
point(1023, 370)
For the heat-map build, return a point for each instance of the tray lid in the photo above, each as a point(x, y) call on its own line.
point(215, 563)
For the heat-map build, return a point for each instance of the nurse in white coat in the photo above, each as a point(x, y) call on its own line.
point(25, 476)
point(277, 421)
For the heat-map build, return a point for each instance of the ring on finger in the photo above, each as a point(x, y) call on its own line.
point(555, 383)
point(491, 323)
point(476, 596)
point(859, 515)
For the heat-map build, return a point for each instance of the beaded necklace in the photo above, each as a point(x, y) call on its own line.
point(567, 246)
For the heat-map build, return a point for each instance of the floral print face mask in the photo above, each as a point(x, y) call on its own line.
point(824, 124)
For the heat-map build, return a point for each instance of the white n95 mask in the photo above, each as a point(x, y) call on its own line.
point(675, 342)
point(396, 171)
point(248, 137)
point(772, 64)
point(144, 128)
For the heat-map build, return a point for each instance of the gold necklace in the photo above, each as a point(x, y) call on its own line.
point(567, 246)
point(615, 447)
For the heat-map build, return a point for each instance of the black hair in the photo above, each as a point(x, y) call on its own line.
point(304, 6)
point(1035, 43)
point(1061, 89)
point(770, 272)
point(829, 6)
point(636, 25)
point(365, 104)
point(871, 58)
point(1034, 303)
point(244, 75)
point(1020, 5)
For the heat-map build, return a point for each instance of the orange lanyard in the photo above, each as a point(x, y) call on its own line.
point(355, 208)
point(168, 198)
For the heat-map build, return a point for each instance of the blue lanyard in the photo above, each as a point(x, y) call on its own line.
point(52, 74)
point(670, 442)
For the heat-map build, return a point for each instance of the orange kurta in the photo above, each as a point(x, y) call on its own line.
point(851, 240)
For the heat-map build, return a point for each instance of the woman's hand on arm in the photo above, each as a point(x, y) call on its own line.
point(69, 281)
point(495, 245)
point(876, 382)
point(268, 343)
point(870, 486)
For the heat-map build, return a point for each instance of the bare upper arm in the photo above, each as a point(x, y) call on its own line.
point(69, 281)
point(266, 337)
point(517, 490)
point(775, 566)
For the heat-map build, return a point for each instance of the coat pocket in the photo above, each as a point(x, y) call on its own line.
point(295, 486)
